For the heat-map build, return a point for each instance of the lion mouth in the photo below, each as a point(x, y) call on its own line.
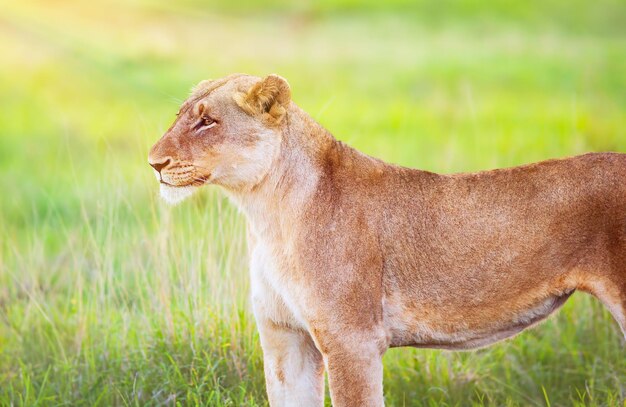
point(195, 183)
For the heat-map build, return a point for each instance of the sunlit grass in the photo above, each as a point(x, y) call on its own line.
point(108, 297)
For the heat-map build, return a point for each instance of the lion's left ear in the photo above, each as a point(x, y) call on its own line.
point(270, 96)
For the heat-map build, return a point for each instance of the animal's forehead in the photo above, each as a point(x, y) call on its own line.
point(207, 88)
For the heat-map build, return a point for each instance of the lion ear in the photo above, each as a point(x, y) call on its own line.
point(270, 96)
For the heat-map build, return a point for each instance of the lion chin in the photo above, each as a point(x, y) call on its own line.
point(175, 195)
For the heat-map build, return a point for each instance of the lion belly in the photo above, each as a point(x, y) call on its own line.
point(452, 331)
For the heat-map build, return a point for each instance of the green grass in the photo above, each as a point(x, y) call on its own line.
point(108, 297)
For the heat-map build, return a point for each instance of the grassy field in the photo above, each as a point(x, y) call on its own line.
point(108, 297)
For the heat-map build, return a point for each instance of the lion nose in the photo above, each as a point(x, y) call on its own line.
point(161, 165)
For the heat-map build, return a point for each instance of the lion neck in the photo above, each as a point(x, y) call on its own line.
point(275, 204)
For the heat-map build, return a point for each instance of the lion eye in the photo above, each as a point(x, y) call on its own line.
point(204, 123)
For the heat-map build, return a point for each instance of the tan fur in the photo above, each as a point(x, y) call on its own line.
point(351, 256)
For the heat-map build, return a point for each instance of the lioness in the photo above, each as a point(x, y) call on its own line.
point(351, 256)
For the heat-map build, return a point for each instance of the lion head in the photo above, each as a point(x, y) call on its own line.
point(228, 133)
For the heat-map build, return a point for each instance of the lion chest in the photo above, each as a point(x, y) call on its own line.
point(274, 295)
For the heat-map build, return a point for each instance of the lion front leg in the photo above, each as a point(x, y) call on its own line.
point(294, 368)
point(355, 370)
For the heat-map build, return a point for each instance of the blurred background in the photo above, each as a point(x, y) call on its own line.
point(108, 297)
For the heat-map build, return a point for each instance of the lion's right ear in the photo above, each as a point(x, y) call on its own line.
point(270, 97)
